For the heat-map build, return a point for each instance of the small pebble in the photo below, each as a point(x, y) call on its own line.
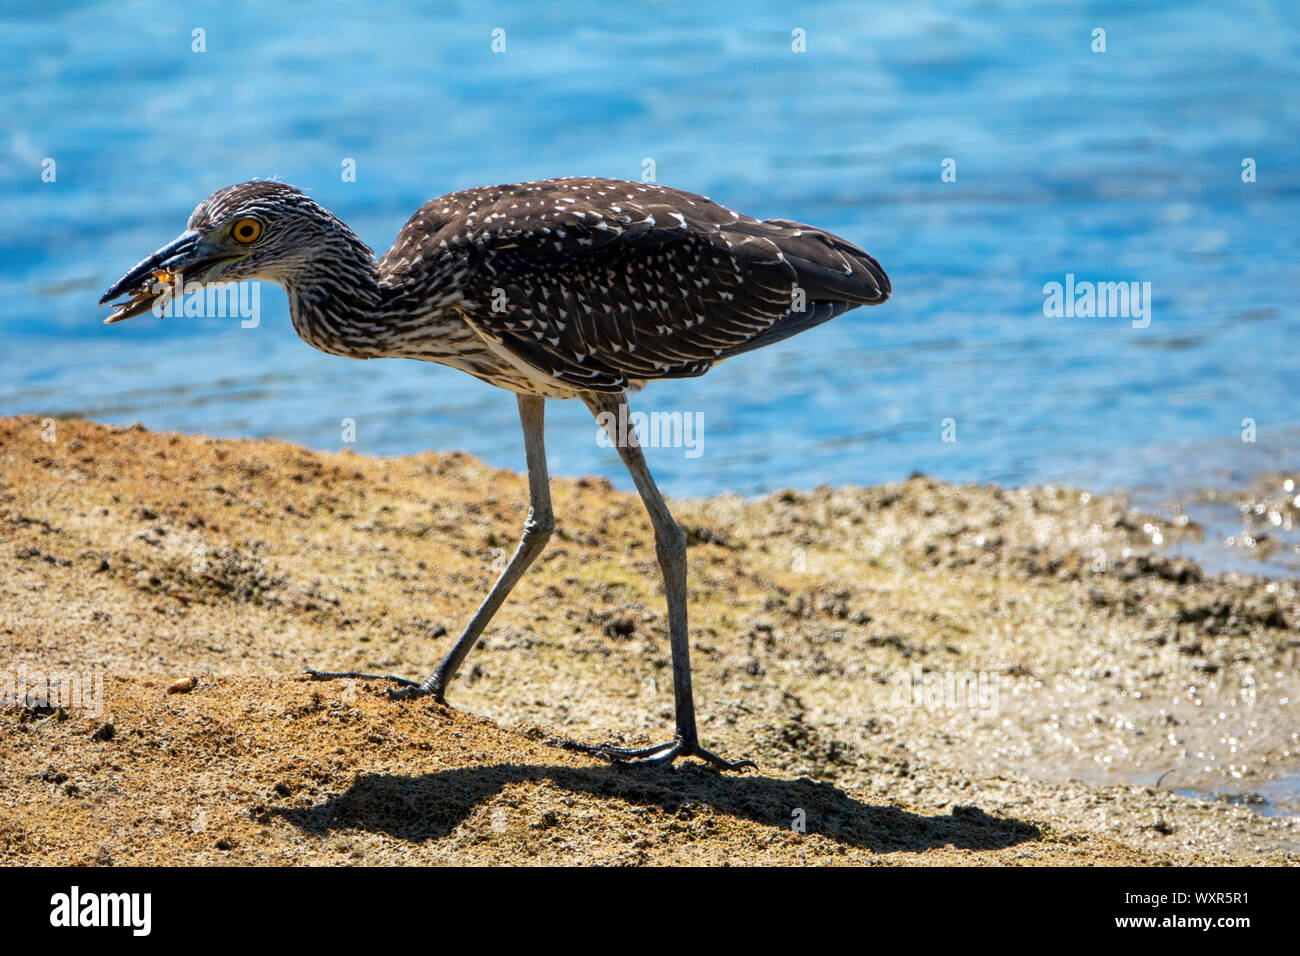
point(183, 686)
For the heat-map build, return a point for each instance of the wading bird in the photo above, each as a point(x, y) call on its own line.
point(566, 288)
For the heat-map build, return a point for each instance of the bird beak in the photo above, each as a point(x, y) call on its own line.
point(153, 277)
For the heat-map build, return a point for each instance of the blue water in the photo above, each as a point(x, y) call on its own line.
point(1115, 166)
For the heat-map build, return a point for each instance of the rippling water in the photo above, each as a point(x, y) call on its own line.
point(1117, 166)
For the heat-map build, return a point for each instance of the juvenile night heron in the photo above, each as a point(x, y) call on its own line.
point(566, 288)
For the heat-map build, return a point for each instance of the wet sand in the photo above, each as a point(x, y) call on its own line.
point(925, 673)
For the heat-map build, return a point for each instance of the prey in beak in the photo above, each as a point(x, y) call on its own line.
point(157, 277)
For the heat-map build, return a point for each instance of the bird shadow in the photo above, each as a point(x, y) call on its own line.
point(430, 806)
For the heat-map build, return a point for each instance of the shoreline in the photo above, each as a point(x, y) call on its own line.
point(1218, 498)
point(154, 556)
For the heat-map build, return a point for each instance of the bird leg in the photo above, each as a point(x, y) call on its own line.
point(537, 529)
point(670, 546)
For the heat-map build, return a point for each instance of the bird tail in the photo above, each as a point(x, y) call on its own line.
point(830, 268)
point(834, 274)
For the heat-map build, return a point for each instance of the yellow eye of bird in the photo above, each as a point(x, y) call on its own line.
point(246, 230)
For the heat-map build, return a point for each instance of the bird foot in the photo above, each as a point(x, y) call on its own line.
point(659, 755)
point(405, 690)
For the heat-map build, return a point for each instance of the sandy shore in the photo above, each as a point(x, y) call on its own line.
point(925, 673)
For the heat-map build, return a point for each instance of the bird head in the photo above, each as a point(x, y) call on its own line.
point(254, 230)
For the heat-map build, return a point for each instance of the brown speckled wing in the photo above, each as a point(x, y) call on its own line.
point(602, 282)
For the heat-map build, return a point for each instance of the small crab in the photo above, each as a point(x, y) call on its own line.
point(142, 298)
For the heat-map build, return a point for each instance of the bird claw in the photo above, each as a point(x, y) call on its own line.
point(411, 690)
point(659, 755)
point(406, 689)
